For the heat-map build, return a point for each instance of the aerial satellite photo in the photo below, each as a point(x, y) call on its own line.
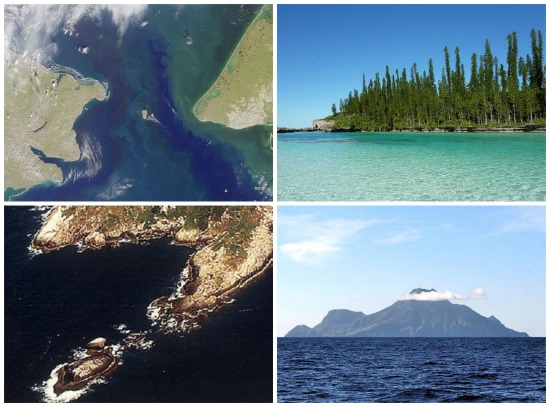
point(138, 102)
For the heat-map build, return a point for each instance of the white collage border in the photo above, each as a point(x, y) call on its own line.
point(275, 204)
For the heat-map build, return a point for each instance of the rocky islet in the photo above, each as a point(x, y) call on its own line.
point(234, 246)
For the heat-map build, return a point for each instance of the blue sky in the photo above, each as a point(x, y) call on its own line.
point(364, 258)
point(324, 49)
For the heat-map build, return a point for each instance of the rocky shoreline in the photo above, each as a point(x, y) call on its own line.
point(234, 245)
point(213, 273)
point(61, 230)
point(327, 128)
point(99, 361)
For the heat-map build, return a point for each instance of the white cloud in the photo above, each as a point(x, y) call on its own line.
point(477, 294)
point(306, 252)
point(402, 237)
point(526, 220)
point(520, 220)
point(29, 27)
point(316, 240)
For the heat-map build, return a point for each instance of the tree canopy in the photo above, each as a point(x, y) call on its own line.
point(494, 95)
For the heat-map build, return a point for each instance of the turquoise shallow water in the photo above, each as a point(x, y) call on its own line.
point(411, 167)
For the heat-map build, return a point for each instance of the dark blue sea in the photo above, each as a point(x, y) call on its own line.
point(416, 370)
point(124, 157)
point(55, 303)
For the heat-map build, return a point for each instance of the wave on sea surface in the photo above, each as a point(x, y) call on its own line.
point(45, 389)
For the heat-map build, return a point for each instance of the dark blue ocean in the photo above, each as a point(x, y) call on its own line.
point(124, 157)
point(416, 370)
point(57, 302)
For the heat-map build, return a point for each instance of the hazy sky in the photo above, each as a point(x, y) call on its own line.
point(324, 49)
point(364, 258)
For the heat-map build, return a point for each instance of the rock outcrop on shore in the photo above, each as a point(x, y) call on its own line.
point(333, 125)
point(99, 361)
point(323, 124)
point(234, 245)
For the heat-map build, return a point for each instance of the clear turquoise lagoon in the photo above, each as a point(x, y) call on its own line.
point(411, 167)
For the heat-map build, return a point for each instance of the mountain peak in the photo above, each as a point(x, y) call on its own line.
point(421, 290)
point(409, 318)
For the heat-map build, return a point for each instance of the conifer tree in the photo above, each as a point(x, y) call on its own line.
point(494, 94)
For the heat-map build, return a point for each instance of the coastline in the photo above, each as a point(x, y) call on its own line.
point(214, 274)
point(55, 97)
point(448, 129)
point(207, 95)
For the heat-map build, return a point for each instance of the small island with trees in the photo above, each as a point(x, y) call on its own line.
point(497, 97)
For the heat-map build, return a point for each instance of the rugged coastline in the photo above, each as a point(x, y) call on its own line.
point(98, 361)
point(233, 247)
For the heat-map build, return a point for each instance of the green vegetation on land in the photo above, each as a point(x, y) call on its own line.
point(39, 111)
point(233, 230)
point(495, 95)
point(243, 94)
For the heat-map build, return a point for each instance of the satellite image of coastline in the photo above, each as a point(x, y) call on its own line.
point(138, 102)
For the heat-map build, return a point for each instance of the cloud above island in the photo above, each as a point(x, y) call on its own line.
point(477, 294)
point(317, 240)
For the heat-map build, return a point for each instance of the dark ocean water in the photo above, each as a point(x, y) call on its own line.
point(124, 157)
point(416, 370)
point(57, 302)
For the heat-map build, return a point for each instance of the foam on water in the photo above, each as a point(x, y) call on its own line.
point(48, 394)
point(153, 314)
point(122, 328)
point(180, 284)
point(45, 389)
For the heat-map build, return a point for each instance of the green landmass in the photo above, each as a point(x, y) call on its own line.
point(40, 108)
point(234, 232)
point(242, 96)
point(497, 95)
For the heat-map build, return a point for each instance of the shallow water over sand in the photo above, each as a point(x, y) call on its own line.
point(411, 167)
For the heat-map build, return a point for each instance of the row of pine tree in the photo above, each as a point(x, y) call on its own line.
point(494, 95)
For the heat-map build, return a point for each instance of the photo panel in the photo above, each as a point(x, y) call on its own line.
point(390, 102)
point(411, 304)
point(138, 102)
point(138, 304)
